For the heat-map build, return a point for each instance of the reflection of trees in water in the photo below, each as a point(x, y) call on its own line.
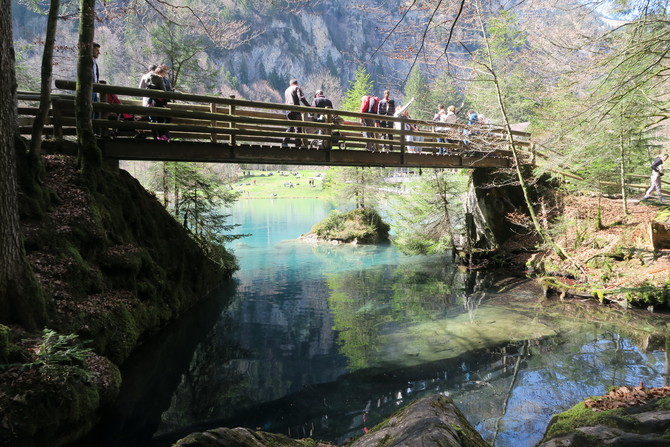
point(366, 304)
point(198, 397)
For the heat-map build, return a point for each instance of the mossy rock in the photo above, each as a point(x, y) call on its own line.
point(362, 225)
point(631, 426)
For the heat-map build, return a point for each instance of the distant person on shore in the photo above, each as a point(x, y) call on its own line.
point(387, 108)
point(294, 96)
point(656, 174)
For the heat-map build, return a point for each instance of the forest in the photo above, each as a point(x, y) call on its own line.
point(588, 79)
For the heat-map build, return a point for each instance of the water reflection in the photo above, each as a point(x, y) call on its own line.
point(327, 341)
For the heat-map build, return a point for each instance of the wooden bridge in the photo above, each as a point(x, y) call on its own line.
point(228, 130)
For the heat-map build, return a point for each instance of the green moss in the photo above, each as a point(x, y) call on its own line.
point(363, 225)
point(5, 345)
point(581, 416)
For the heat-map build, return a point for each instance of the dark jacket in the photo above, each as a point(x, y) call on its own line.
point(294, 96)
point(387, 107)
point(322, 102)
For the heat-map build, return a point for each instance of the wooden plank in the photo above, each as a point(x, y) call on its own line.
point(210, 152)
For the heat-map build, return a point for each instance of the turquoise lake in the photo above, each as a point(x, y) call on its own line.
point(326, 341)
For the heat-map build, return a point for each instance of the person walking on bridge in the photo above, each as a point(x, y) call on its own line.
point(320, 101)
point(387, 108)
point(656, 174)
point(294, 96)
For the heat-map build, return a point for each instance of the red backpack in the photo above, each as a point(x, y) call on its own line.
point(370, 104)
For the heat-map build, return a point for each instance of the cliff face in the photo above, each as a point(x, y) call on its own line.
point(320, 43)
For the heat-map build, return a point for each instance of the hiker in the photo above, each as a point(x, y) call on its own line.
point(294, 96)
point(387, 108)
point(369, 104)
point(656, 174)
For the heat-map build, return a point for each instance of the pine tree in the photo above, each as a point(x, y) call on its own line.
point(359, 87)
point(417, 88)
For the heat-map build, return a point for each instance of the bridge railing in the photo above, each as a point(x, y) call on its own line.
point(241, 122)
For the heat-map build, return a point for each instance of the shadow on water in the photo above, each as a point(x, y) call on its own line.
point(358, 401)
point(153, 371)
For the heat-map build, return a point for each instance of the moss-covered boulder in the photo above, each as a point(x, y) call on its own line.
point(643, 425)
point(241, 437)
point(362, 225)
point(433, 421)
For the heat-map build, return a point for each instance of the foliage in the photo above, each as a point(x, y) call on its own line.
point(181, 46)
point(195, 197)
point(61, 357)
point(424, 221)
point(506, 45)
point(360, 185)
point(444, 91)
point(417, 88)
point(362, 225)
point(359, 87)
point(357, 302)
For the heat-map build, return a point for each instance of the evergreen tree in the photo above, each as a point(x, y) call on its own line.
point(424, 221)
point(360, 185)
point(417, 88)
point(359, 87)
point(195, 197)
point(444, 91)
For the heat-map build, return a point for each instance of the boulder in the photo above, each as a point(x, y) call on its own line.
point(433, 421)
point(637, 426)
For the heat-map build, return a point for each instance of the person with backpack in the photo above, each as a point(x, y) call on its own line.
point(369, 104)
point(387, 108)
point(155, 81)
point(294, 96)
point(656, 174)
point(320, 101)
point(144, 82)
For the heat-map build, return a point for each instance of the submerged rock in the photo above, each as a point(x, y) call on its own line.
point(433, 421)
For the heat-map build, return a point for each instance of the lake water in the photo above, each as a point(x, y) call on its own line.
point(326, 341)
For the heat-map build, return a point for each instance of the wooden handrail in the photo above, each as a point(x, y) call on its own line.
point(149, 93)
point(234, 122)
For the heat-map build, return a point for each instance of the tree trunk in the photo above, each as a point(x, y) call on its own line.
point(20, 298)
point(622, 169)
point(90, 157)
point(47, 71)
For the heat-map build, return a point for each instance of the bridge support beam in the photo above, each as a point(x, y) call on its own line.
point(225, 153)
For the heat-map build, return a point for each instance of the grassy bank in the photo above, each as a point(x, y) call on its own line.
point(302, 184)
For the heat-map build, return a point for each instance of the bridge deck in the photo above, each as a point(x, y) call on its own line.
point(259, 154)
point(227, 130)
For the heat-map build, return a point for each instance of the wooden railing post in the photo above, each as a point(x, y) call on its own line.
point(213, 109)
point(403, 141)
point(232, 112)
point(57, 119)
point(328, 132)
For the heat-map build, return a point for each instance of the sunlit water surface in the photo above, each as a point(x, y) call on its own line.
point(326, 341)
